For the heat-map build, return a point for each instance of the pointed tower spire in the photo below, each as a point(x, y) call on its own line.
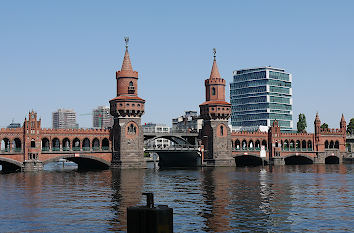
point(317, 117)
point(214, 70)
point(127, 65)
point(342, 123)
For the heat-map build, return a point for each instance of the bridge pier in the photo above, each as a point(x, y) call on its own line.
point(32, 166)
point(219, 162)
point(278, 161)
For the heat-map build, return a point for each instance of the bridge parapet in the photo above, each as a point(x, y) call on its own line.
point(173, 148)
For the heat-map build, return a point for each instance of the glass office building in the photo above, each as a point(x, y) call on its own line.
point(259, 96)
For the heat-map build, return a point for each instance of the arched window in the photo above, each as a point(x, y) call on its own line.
point(244, 144)
point(297, 145)
point(33, 144)
point(131, 129)
point(131, 88)
point(331, 145)
point(237, 144)
point(213, 91)
point(221, 130)
point(250, 144)
point(264, 143)
point(309, 145)
point(326, 144)
point(45, 144)
point(76, 144)
point(66, 144)
point(105, 144)
point(336, 145)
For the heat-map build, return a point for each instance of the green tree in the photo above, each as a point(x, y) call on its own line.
point(324, 126)
point(301, 124)
point(350, 127)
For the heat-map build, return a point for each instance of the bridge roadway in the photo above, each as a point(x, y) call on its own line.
point(177, 155)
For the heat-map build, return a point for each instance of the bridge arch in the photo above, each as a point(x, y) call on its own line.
point(248, 160)
point(332, 159)
point(10, 165)
point(298, 159)
point(83, 161)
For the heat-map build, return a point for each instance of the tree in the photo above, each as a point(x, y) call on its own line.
point(301, 124)
point(324, 126)
point(350, 127)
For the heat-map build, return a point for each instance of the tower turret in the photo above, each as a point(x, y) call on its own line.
point(215, 111)
point(127, 109)
point(343, 124)
point(317, 124)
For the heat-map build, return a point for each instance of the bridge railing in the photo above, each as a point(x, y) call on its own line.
point(74, 149)
point(247, 149)
point(171, 131)
point(173, 147)
point(12, 150)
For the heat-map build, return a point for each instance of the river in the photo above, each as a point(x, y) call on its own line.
point(313, 198)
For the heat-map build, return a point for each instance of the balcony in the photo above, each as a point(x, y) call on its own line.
point(76, 148)
point(45, 148)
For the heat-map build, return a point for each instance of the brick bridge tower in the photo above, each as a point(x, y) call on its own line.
point(215, 111)
point(32, 143)
point(127, 109)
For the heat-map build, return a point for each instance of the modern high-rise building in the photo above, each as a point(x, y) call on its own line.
point(64, 119)
point(101, 117)
point(259, 96)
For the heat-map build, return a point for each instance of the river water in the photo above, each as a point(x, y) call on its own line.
point(313, 198)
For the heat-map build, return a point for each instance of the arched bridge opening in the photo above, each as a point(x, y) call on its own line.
point(298, 160)
point(84, 162)
point(248, 161)
point(332, 160)
point(9, 165)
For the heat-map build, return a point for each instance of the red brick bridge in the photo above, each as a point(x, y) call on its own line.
point(30, 147)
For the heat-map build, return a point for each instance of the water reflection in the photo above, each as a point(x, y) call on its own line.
point(127, 191)
point(272, 199)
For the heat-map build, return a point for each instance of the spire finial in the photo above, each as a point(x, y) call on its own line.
point(214, 52)
point(126, 39)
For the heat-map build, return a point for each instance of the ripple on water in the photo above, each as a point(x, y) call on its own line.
point(315, 198)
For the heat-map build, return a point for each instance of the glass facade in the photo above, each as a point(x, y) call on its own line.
point(259, 96)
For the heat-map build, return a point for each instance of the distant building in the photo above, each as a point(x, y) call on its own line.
point(64, 119)
point(189, 121)
point(14, 125)
point(157, 128)
point(101, 118)
point(259, 96)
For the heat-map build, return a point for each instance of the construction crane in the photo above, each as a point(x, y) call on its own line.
point(100, 118)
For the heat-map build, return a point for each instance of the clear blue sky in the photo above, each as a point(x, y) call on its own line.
point(64, 54)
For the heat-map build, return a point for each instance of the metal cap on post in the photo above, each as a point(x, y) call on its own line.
point(148, 218)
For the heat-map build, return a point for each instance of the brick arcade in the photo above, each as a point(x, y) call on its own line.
point(30, 147)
